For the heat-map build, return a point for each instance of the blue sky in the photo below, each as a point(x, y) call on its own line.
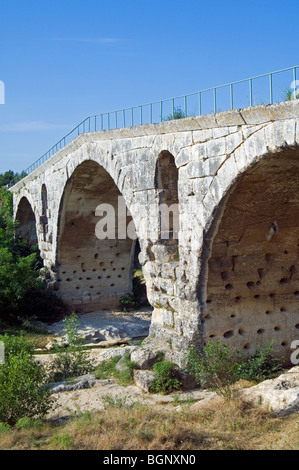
point(62, 61)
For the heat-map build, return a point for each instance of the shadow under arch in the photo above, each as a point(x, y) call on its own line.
point(26, 227)
point(249, 286)
point(93, 272)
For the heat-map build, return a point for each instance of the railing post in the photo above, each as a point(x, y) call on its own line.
point(102, 122)
point(185, 105)
point(108, 114)
point(141, 114)
point(250, 91)
point(161, 111)
point(199, 102)
point(271, 88)
point(124, 117)
point(294, 82)
point(132, 116)
point(231, 96)
point(116, 120)
point(95, 123)
point(215, 103)
point(151, 113)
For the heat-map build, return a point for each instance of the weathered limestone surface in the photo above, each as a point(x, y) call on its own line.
point(233, 272)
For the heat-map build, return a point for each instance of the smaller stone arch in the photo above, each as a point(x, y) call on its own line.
point(25, 217)
point(44, 216)
point(166, 183)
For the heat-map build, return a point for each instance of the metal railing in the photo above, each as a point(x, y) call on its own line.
point(268, 88)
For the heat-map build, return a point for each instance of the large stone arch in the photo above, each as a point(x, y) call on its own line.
point(250, 277)
point(26, 222)
point(93, 273)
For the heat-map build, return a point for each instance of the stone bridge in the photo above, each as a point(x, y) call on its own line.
point(232, 271)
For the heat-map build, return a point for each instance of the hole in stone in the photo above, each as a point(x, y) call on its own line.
point(246, 346)
point(94, 270)
point(113, 269)
point(233, 315)
point(88, 278)
point(111, 285)
point(241, 331)
point(283, 309)
point(84, 270)
point(63, 272)
point(117, 254)
point(108, 277)
point(261, 273)
point(68, 279)
point(228, 334)
point(80, 278)
point(91, 287)
point(96, 255)
point(104, 269)
point(238, 298)
point(268, 312)
point(123, 269)
point(257, 296)
point(224, 275)
point(284, 280)
point(284, 343)
point(74, 272)
point(258, 283)
point(209, 301)
point(286, 252)
point(212, 336)
point(101, 263)
point(119, 276)
point(277, 328)
point(297, 326)
point(250, 285)
point(272, 296)
point(260, 331)
point(229, 287)
point(296, 292)
point(99, 277)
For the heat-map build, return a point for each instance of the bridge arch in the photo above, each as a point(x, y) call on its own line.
point(250, 282)
point(25, 217)
point(95, 242)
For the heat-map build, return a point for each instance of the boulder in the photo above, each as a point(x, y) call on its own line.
point(280, 395)
point(144, 358)
point(143, 379)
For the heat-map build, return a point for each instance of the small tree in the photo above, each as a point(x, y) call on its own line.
point(215, 368)
point(72, 360)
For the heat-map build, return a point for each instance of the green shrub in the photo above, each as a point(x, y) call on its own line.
point(218, 367)
point(107, 368)
point(262, 365)
point(167, 377)
point(178, 113)
point(125, 375)
point(22, 384)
